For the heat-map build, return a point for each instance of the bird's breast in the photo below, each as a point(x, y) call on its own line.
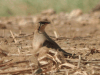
point(38, 40)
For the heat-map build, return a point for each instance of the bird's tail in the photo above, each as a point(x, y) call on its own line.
point(66, 54)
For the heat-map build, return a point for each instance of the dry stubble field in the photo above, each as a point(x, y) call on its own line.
point(78, 34)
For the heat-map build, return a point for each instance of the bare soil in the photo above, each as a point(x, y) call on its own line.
point(78, 35)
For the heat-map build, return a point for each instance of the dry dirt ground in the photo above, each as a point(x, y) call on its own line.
point(77, 34)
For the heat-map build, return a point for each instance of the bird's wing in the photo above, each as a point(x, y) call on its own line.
point(50, 43)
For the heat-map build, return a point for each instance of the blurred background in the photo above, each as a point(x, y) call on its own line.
point(64, 14)
point(30, 7)
point(75, 27)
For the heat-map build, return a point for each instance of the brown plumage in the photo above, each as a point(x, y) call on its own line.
point(42, 43)
point(42, 39)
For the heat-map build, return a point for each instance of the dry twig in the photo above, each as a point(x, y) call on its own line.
point(13, 36)
point(55, 31)
point(20, 55)
point(7, 65)
point(3, 52)
point(79, 61)
point(15, 71)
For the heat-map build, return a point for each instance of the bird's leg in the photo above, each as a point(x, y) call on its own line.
point(39, 70)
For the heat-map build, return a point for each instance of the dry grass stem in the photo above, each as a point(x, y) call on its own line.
point(15, 71)
point(79, 61)
point(3, 32)
point(20, 55)
point(13, 36)
point(55, 30)
point(3, 52)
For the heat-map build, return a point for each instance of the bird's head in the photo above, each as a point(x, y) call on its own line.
point(42, 25)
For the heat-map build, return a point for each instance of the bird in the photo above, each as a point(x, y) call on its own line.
point(41, 39)
point(42, 43)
